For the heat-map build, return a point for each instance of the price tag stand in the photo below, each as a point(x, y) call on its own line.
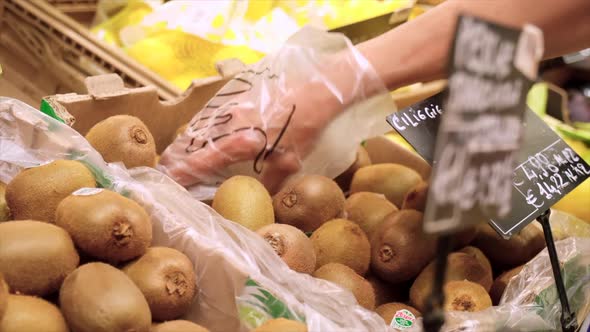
point(434, 316)
point(569, 322)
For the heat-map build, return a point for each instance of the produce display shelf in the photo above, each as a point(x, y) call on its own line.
point(38, 38)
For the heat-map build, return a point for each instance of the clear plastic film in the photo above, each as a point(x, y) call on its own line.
point(302, 109)
point(530, 301)
point(241, 281)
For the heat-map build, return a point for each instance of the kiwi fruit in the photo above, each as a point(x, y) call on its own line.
point(35, 256)
point(392, 180)
point(123, 138)
point(4, 211)
point(35, 192)
point(167, 279)
point(415, 198)
point(386, 292)
point(4, 291)
point(282, 325)
point(292, 245)
point(308, 201)
point(346, 278)
point(342, 241)
point(31, 314)
point(399, 247)
point(362, 160)
point(388, 310)
point(479, 255)
point(105, 225)
point(368, 210)
point(463, 295)
point(501, 282)
point(383, 149)
point(517, 250)
point(178, 326)
point(460, 266)
point(97, 297)
point(464, 237)
point(244, 200)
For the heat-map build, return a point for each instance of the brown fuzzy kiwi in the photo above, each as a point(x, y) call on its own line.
point(479, 255)
point(392, 180)
point(308, 201)
point(97, 297)
point(386, 292)
point(35, 192)
point(31, 314)
point(4, 292)
point(106, 225)
point(388, 310)
point(362, 160)
point(460, 266)
point(383, 150)
point(4, 210)
point(342, 241)
point(282, 325)
point(167, 279)
point(464, 237)
point(368, 210)
point(463, 295)
point(501, 282)
point(244, 200)
point(346, 278)
point(519, 249)
point(178, 326)
point(123, 138)
point(399, 247)
point(415, 199)
point(292, 245)
point(35, 256)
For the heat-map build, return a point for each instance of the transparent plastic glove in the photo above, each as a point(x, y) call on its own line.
point(302, 109)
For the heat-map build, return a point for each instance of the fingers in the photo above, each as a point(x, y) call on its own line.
point(207, 163)
point(277, 168)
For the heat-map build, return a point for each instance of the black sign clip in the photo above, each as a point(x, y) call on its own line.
point(569, 322)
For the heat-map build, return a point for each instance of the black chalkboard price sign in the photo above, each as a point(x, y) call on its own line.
point(546, 169)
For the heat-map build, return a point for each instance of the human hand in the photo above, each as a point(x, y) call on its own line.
point(275, 134)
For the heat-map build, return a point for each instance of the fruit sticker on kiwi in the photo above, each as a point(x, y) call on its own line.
point(87, 191)
point(403, 320)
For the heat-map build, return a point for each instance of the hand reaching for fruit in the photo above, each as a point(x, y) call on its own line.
point(274, 134)
point(266, 120)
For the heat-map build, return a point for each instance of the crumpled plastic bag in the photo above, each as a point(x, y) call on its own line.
point(530, 301)
point(241, 281)
point(294, 107)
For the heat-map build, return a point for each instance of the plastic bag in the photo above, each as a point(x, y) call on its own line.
point(530, 301)
point(302, 109)
point(242, 281)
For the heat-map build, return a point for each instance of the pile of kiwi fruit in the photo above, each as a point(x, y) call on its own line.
point(363, 232)
point(74, 257)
